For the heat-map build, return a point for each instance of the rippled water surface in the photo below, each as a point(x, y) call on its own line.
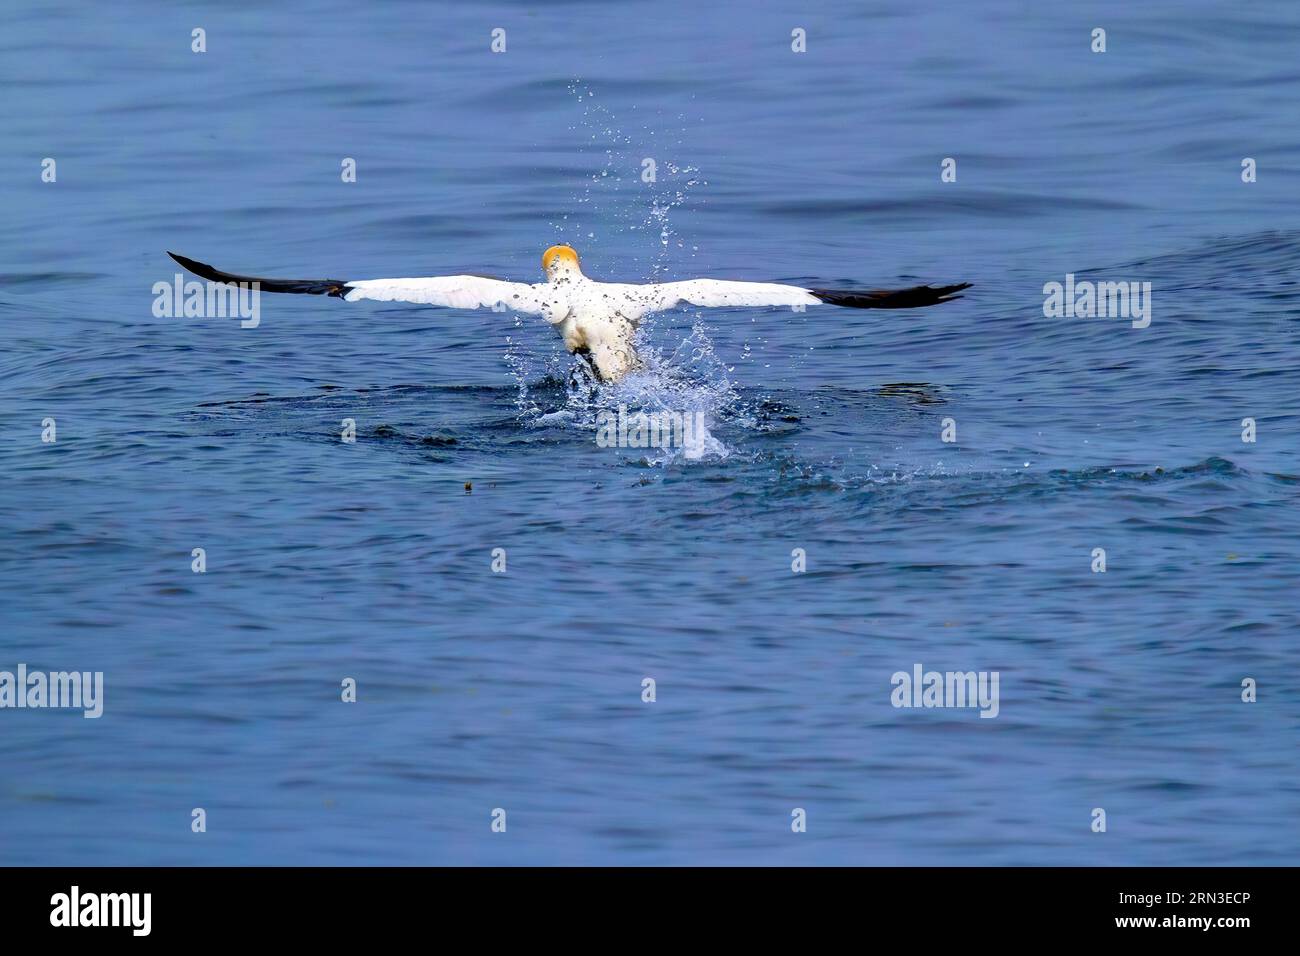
point(523, 690)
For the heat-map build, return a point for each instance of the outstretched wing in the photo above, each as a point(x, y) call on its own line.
point(452, 292)
point(715, 293)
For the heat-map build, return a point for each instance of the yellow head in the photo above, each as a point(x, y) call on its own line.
point(559, 259)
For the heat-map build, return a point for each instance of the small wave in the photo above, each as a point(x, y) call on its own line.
point(34, 281)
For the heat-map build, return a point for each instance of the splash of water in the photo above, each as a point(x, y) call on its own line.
point(687, 379)
point(558, 391)
point(653, 194)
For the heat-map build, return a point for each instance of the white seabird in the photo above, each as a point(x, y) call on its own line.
point(595, 319)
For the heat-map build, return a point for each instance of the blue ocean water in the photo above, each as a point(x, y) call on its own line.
point(523, 691)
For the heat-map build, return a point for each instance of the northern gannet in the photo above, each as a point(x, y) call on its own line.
point(595, 319)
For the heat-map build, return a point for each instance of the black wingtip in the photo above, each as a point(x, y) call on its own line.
point(201, 269)
point(914, 298)
point(333, 287)
point(190, 264)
